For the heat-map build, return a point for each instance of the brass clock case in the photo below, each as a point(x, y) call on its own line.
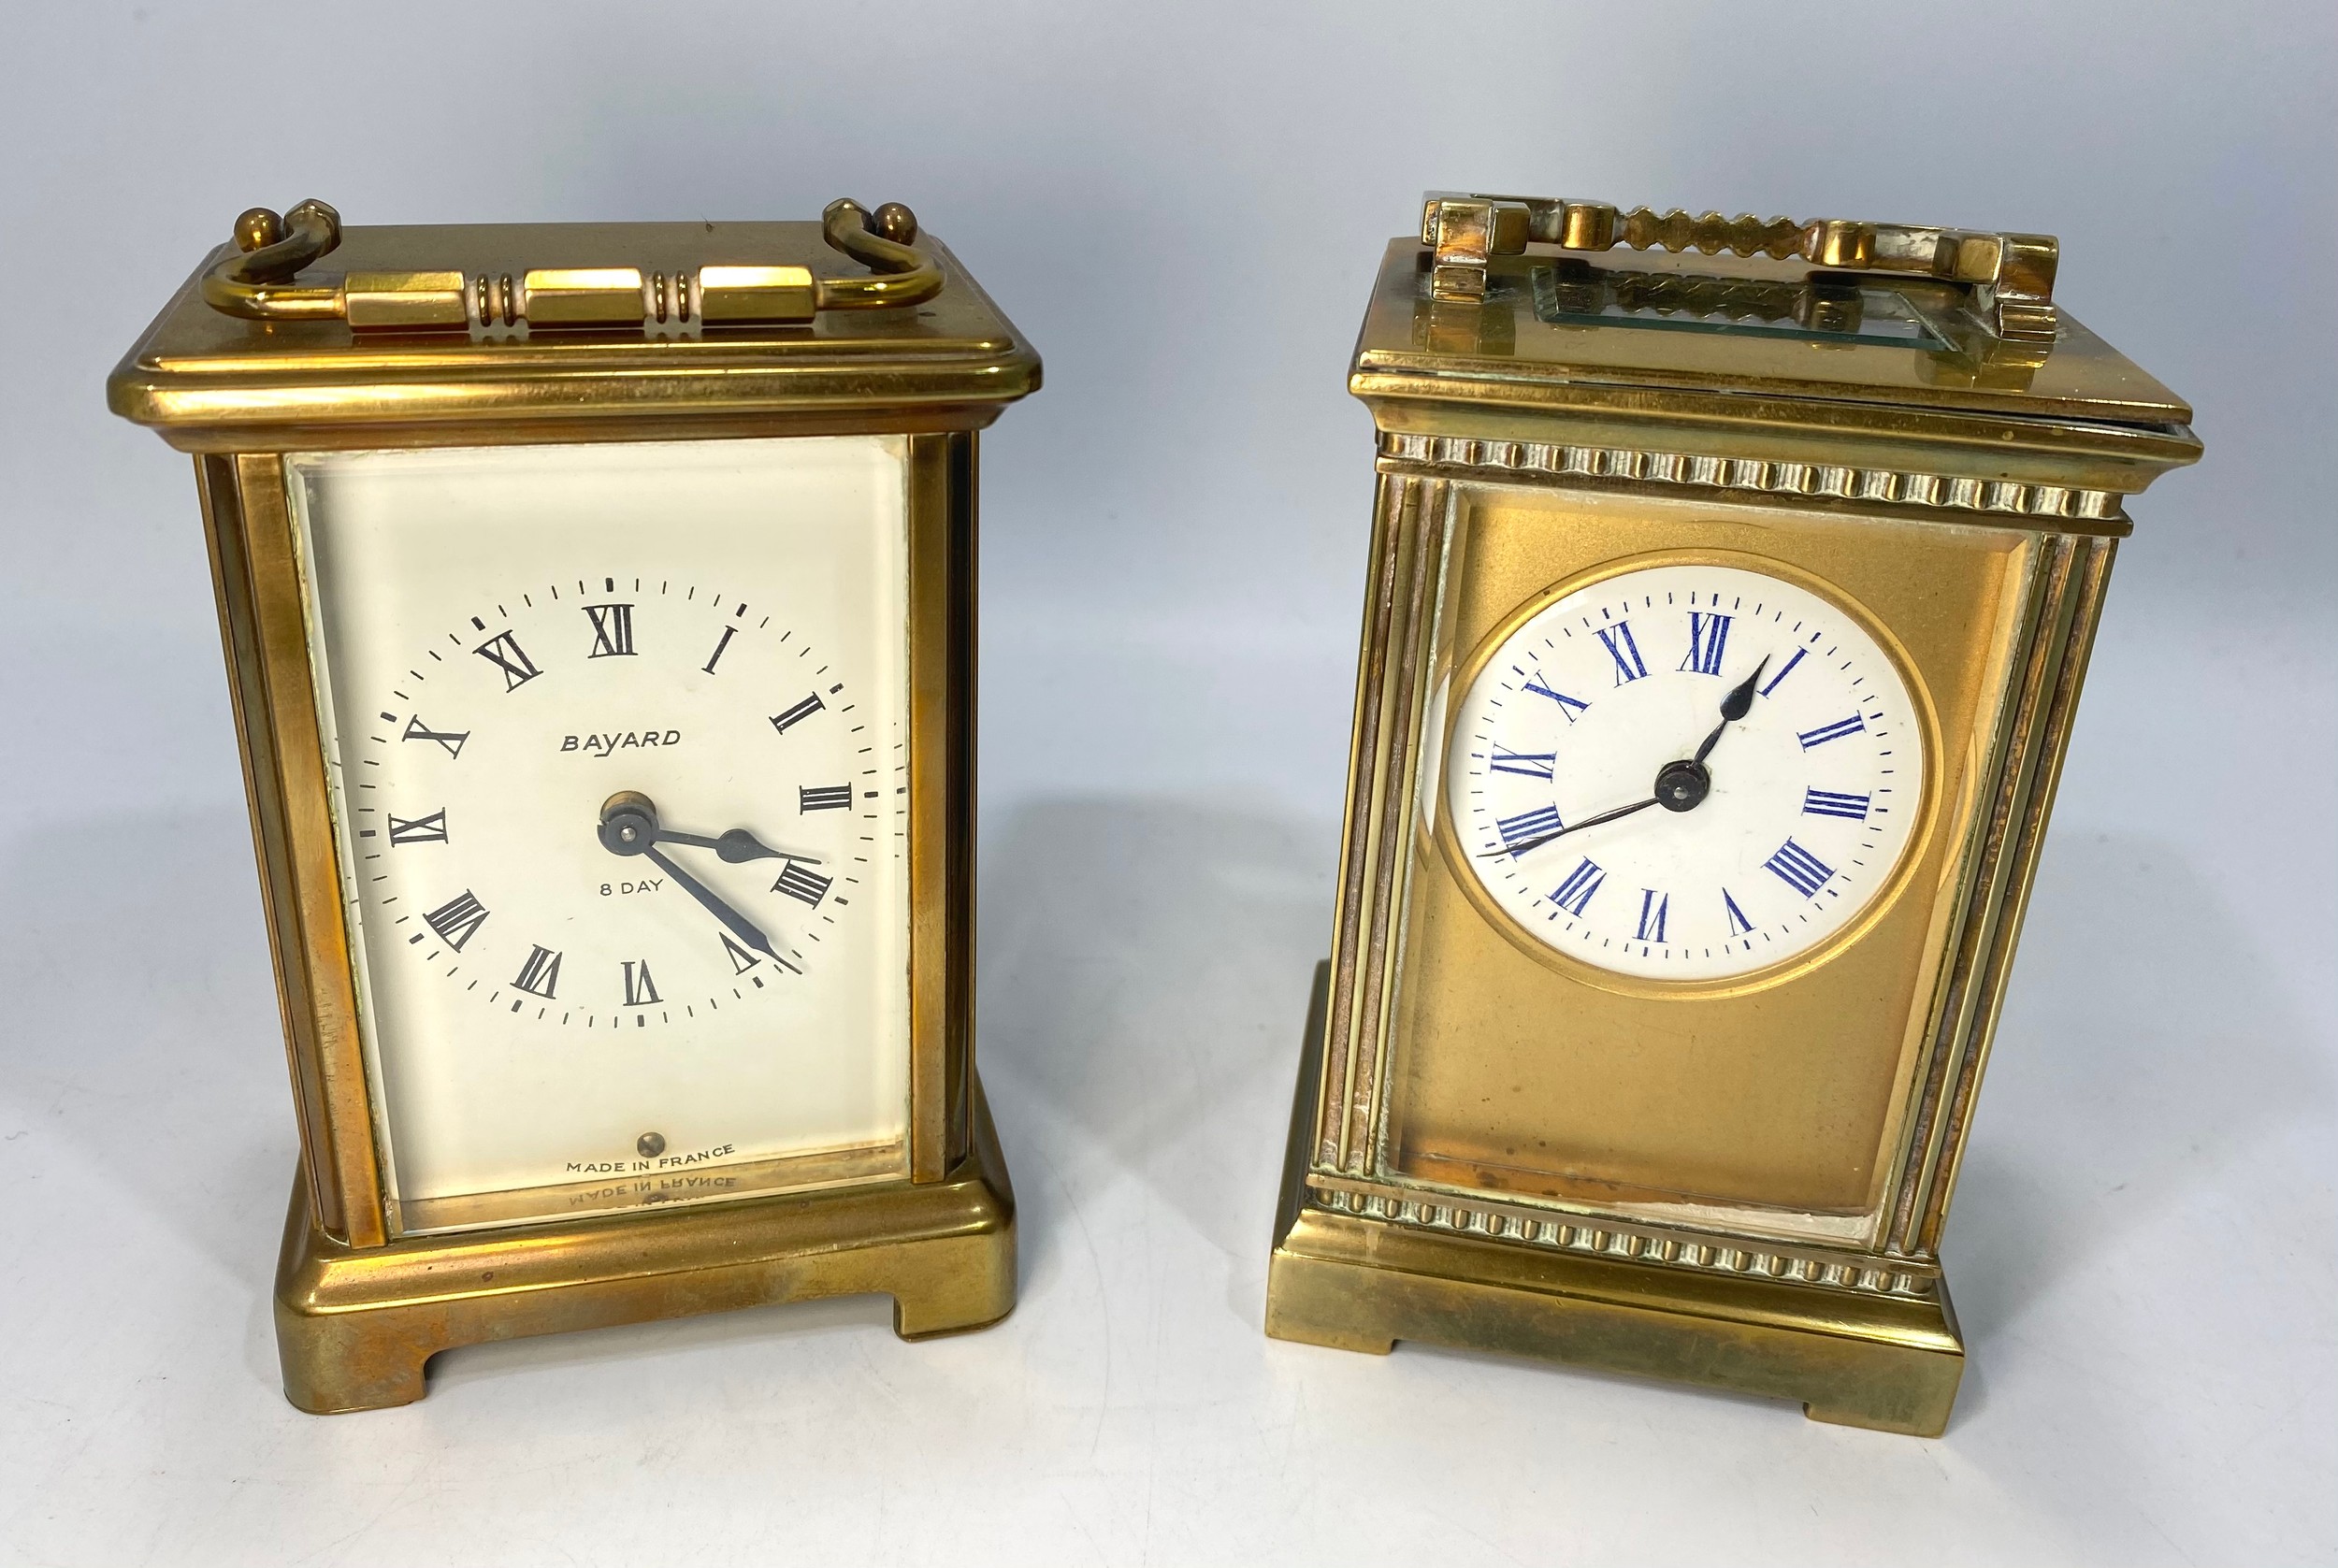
point(306, 338)
point(1741, 1183)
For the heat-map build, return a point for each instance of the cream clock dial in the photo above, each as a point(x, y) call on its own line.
point(1685, 773)
point(620, 786)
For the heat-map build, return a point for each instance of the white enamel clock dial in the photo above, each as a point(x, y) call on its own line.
point(1612, 798)
point(616, 737)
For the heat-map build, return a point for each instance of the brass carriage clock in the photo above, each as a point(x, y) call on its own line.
point(1725, 626)
point(600, 616)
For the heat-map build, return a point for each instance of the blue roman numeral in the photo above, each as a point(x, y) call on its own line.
point(1527, 827)
point(1574, 893)
point(1739, 923)
point(1531, 765)
point(1825, 802)
point(1801, 871)
point(1786, 670)
point(1653, 907)
point(1709, 633)
point(1835, 731)
point(1617, 640)
point(1568, 706)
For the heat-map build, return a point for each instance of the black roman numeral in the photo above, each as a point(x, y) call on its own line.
point(802, 882)
point(541, 974)
point(796, 715)
point(504, 652)
point(823, 798)
point(428, 830)
point(458, 919)
point(742, 959)
point(415, 730)
point(612, 630)
point(640, 990)
point(715, 657)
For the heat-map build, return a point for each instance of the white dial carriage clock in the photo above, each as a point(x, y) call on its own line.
point(599, 606)
point(1725, 623)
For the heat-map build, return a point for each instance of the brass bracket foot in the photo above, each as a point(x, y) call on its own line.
point(356, 1326)
point(1357, 1283)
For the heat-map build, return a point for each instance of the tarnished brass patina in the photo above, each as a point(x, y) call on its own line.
point(488, 336)
point(1736, 1182)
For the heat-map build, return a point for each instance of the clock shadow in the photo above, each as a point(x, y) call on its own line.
point(2140, 1056)
point(1145, 971)
point(145, 1030)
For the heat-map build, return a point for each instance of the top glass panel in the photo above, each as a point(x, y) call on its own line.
point(1809, 311)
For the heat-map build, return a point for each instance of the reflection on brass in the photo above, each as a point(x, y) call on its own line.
point(1741, 1183)
point(2010, 275)
point(260, 282)
point(258, 359)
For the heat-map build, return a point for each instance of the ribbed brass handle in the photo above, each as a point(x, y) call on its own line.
point(261, 282)
point(2010, 275)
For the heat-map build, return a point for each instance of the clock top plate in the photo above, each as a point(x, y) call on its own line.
point(1557, 331)
point(209, 381)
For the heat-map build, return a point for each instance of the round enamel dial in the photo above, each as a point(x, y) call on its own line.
point(671, 825)
point(1688, 772)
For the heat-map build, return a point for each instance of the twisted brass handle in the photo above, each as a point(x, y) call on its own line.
point(2010, 275)
point(258, 283)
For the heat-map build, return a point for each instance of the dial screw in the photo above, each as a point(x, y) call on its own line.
point(650, 1144)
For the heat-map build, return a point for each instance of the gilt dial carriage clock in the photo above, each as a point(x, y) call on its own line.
point(598, 607)
point(1726, 623)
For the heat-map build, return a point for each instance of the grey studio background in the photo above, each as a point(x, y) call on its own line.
point(1183, 206)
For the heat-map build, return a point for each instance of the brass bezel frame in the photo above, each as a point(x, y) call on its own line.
point(1464, 676)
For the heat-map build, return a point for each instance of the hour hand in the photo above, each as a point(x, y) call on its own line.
point(735, 846)
point(1733, 707)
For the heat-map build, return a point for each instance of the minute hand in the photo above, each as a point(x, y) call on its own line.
point(1514, 851)
point(741, 927)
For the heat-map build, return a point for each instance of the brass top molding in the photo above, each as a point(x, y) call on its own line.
point(259, 282)
point(2010, 275)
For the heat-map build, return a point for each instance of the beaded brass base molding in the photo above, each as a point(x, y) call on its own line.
point(355, 1327)
point(1354, 1281)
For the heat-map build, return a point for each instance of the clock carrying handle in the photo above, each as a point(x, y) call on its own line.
point(261, 282)
point(2009, 276)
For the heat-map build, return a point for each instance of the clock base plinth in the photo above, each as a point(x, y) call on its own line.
point(356, 1326)
point(1355, 1282)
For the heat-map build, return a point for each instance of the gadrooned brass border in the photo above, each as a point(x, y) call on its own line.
point(1465, 672)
